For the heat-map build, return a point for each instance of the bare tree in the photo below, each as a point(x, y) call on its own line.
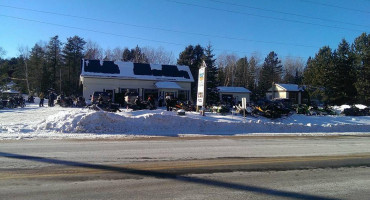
point(108, 55)
point(93, 51)
point(293, 69)
point(227, 66)
point(24, 54)
point(159, 55)
point(117, 54)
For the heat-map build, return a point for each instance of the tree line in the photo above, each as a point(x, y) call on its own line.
point(336, 76)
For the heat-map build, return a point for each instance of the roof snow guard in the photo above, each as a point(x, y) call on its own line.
point(129, 70)
point(233, 90)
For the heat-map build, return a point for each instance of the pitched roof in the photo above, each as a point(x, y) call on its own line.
point(287, 87)
point(233, 89)
point(129, 70)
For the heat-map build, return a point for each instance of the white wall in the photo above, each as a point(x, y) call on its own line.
point(90, 85)
point(239, 96)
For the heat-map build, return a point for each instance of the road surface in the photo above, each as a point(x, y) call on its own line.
point(187, 168)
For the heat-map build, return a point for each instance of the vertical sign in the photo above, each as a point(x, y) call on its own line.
point(201, 95)
point(244, 103)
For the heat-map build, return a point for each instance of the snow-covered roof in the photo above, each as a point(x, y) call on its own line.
point(10, 84)
point(233, 89)
point(287, 87)
point(129, 70)
point(10, 91)
point(167, 85)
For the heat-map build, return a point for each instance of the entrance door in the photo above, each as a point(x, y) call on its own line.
point(148, 92)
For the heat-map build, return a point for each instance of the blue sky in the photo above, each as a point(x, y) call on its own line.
point(296, 28)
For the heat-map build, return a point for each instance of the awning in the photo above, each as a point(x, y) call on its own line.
point(167, 85)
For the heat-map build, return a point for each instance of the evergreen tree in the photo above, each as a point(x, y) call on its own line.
point(192, 57)
point(126, 55)
point(270, 73)
point(361, 48)
point(134, 55)
point(319, 75)
point(72, 55)
point(241, 74)
point(252, 77)
point(138, 56)
point(212, 83)
point(54, 57)
point(343, 77)
point(14, 68)
point(39, 75)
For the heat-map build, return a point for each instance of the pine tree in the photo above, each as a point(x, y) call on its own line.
point(241, 74)
point(134, 55)
point(39, 75)
point(319, 75)
point(212, 93)
point(270, 73)
point(361, 48)
point(53, 53)
point(126, 55)
point(192, 57)
point(252, 76)
point(344, 91)
point(72, 55)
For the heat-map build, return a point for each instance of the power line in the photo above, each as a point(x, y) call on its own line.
point(335, 6)
point(262, 16)
point(126, 36)
point(162, 29)
point(287, 13)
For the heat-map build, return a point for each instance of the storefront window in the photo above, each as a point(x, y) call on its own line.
point(183, 95)
point(148, 92)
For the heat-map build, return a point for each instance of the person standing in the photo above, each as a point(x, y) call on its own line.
point(41, 96)
point(160, 101)
point(168, 102)
point(51, 99)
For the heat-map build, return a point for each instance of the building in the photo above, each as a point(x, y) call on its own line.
point(285, 91)
point(144, 79)
point(229, 94)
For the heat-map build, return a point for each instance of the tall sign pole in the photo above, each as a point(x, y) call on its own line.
point(202, 87)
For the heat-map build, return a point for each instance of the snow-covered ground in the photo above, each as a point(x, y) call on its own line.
point(56, 122)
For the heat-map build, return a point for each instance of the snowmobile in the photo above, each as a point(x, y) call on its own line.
point(184, 105)
point(80, 102)
point(31, 99)
point(105, 105)
point(271, 110)
point(354, 111)
point(65, 101)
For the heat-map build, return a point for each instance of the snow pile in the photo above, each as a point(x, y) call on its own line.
point(58, 123)
point(169, 124)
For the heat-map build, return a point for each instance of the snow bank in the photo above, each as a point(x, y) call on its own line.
point(58, 123)
point(169, 124)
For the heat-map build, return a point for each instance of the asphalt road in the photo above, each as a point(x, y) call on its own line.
point(187, 168)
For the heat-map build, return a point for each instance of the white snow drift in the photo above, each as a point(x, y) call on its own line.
point(57, 122)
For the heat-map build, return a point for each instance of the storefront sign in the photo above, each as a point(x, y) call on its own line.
point(202, 85)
